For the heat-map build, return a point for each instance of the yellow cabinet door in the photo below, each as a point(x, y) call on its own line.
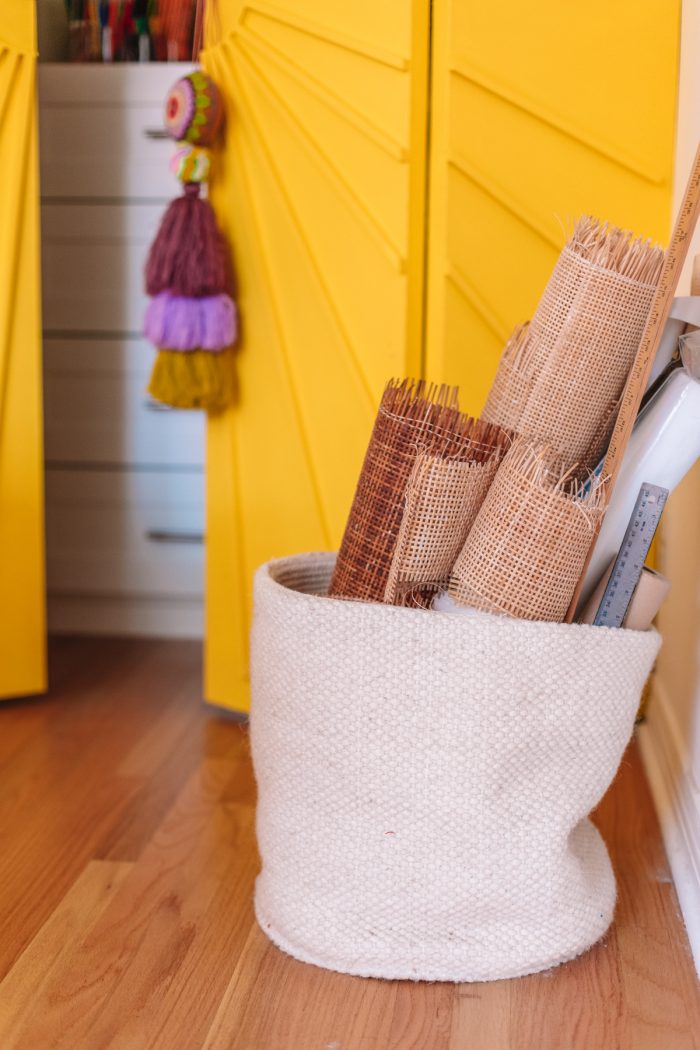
point(22, 618)
point(539, 112)
point(320, 188)
point(354, 266)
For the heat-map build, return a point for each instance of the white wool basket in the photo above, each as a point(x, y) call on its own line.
point(424, 780)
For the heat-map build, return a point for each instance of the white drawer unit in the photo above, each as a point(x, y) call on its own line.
point(101, 131)
point(98, 410)
point(125, 477)
point(93, 258)
point(121, 532)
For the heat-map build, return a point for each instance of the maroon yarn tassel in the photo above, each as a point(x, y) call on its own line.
point(188, 256)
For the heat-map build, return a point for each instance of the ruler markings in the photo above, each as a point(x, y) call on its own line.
point(627, 570)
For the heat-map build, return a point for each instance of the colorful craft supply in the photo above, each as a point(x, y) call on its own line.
point(179, 322)
point(178, 18)
point(190, 163)
point(193, 110)
point(188, 256)
point(192, 317)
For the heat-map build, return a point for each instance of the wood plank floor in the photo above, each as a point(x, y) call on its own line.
point(127, 862)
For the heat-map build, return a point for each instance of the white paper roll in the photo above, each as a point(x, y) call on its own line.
point(665, 444)
point(592, 605)
point(685, 310)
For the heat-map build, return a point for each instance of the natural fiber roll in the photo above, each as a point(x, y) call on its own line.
point(512, 384)
point(561, 377)
point(529, 542)
point(412, 418)
point(443, 497)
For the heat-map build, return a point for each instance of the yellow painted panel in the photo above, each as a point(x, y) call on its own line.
point(22, 619)
point(17, 26)
point(320, 188)
point(540, 111)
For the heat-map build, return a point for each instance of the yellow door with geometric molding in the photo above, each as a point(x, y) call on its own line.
point(320, 188)
point(22, 619)
point(395, 216)
point(540, 111)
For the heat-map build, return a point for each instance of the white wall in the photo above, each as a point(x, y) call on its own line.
point(679, 663)
point(671, 739)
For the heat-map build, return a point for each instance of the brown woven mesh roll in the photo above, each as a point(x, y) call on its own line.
point(443, 497)
point(527, 547)
point(412, 418)
point(559, 376)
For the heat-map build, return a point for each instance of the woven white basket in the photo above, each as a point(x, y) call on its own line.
point(424, 781)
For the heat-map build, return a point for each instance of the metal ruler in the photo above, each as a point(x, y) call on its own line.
point(651, 337)
point(627, 570)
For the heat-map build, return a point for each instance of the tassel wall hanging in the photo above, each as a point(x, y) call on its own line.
point(192, 318)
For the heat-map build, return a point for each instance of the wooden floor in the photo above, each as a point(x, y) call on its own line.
point(127, 861)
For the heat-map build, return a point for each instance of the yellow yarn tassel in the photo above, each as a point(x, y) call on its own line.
point(193, 379)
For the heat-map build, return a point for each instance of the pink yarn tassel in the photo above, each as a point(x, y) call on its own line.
point(188, 256)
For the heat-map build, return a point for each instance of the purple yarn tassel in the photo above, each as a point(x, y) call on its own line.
point(174, 322)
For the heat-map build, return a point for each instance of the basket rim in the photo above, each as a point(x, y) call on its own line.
point(267, 576)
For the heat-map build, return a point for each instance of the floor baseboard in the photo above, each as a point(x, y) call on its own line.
point(677, 802)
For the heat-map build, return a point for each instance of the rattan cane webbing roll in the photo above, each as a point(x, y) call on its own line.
point(412, 418)
point(513, 383)
point(443, 497)
point(526, 550)
point(560, 376)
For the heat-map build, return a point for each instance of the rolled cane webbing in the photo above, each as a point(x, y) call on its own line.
point(577, 351)
point(526, 549)
point(412, 417)
point(512, 384)
point(443, 497)
point(599, 445)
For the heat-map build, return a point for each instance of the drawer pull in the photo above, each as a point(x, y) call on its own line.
point(156, 406)
point(174, 536)
point(155, 133)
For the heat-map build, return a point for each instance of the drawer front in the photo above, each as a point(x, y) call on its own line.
point(128, 84)
point(104, 152)
point(96, 127)
point(97, 409)
point(93, 256)
point(120, 532)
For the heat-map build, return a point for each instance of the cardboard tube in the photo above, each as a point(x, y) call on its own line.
point(650, 594)
point(647, 599)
